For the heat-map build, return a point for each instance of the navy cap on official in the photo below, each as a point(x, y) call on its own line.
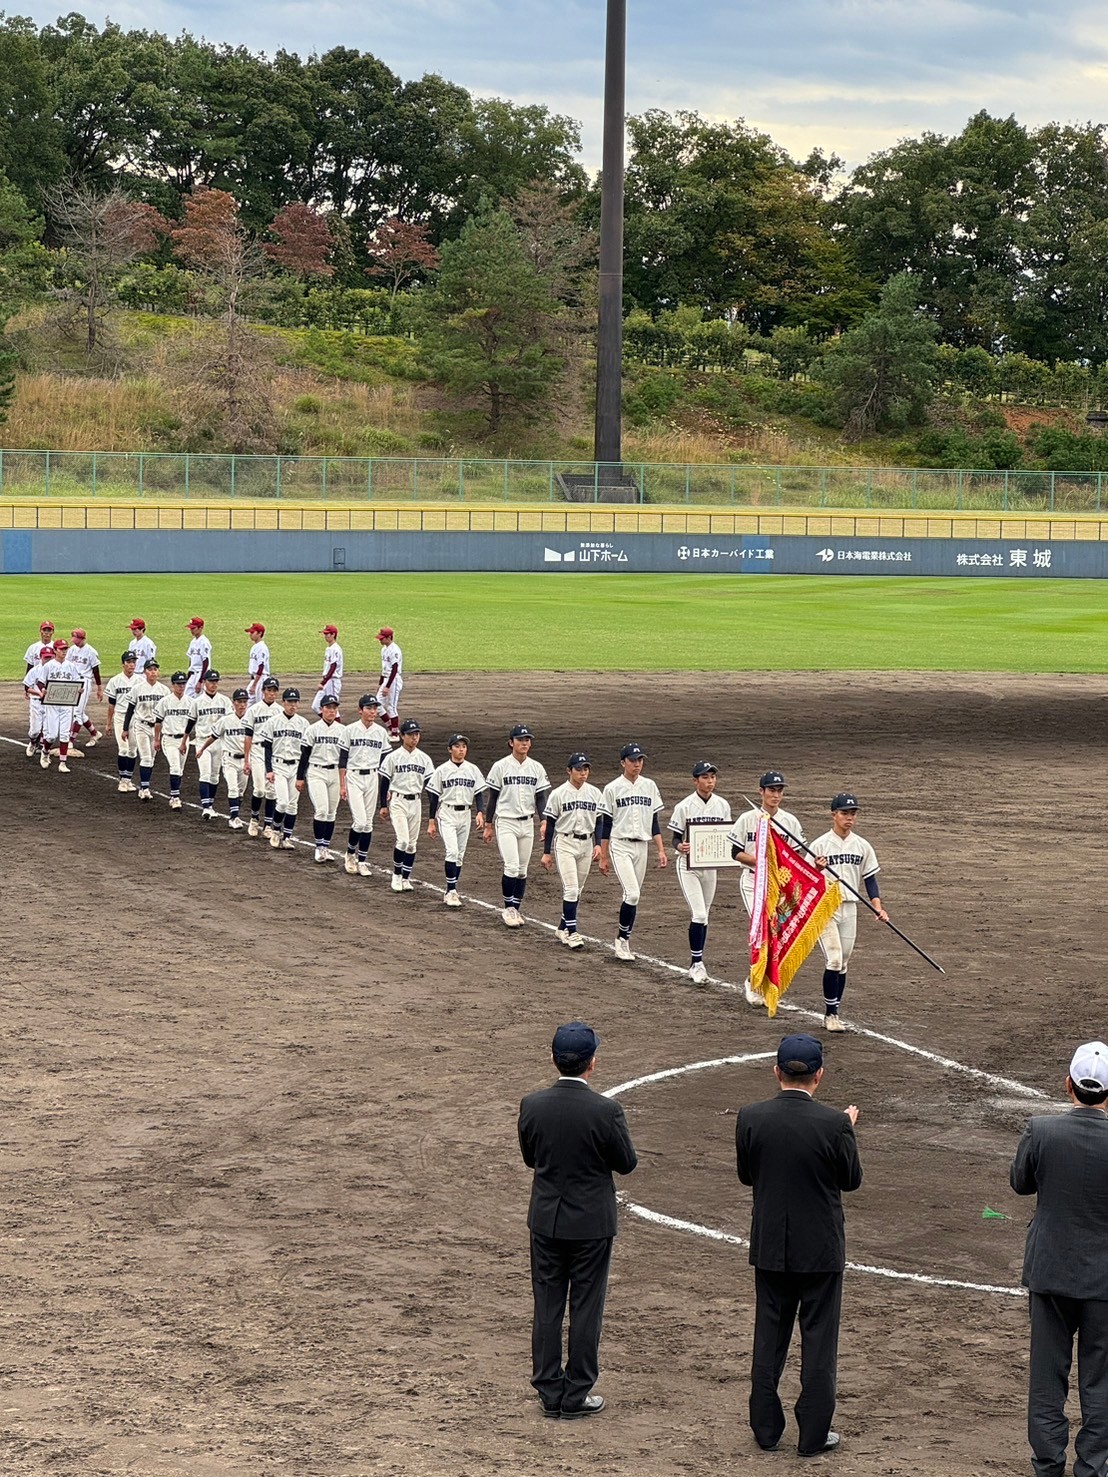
point(330, 701)
point(521, 731)
point(457, 738)
point(177, 676)
point(702, 767)
point(129, 656)
point(579, 761)
point(632, 751)
point(369, 701)
point(575, 1039)
point(271, 685)
point(240, 695)
point(410, 726)
point(211, 675)
point(799, 1056)
point(844, 801)
point(773, 779)
point(291, 695)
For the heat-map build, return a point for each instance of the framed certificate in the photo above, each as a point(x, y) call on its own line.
point(708, 844)
point(61, 693)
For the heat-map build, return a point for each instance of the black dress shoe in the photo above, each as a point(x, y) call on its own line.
point(833, 1439)
point(591, 1405)
point(552, 1411)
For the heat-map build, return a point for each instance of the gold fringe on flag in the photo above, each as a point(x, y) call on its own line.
point(798, 906)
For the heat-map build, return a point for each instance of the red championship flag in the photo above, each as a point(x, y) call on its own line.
point(792, 905)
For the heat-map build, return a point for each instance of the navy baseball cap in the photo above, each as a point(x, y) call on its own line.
point(410, 726)
point(805, 1050)
point(211, 675)
point(579, 761)
point(369, 701)
point(702, 767)
point(773, 779)
point(844, 801)
point(330, 701)
point(177, 676)
point(153, 665)
point(240, 695)
point(521, 731)
point(129, 656)
point(457, 738)
point(291, 694)
point(632, 751)
point(271, 685)
point(576, 1039)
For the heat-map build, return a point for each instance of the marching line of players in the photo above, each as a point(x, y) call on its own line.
point(270, 747)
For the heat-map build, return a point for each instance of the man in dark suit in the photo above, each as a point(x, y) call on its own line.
point(1064, 1160)
point(799, 1156)
point(574, 1139)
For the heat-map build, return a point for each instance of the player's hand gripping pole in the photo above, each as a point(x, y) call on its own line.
point(803, 845)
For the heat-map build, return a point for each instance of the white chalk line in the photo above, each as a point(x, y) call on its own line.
point(712, 1233)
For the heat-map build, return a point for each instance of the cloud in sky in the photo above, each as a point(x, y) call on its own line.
point(849, 76)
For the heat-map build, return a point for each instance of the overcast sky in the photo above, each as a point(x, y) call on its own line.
point(849, 76)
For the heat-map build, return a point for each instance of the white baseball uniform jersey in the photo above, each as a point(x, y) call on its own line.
point(571, 814)
point(407, 772)
point(200, 651)
point(391, 656)
point(283, 743)
point(58, 721)
point(257, 666)
point(327, 749)
point(333, 686)
point(854, 859)
point(457, 786)
point(34, 682)
point(368, 743)
point(698, 885)
point(208, 712)
point(144, 650)
point(86, 659)
point(632, 806)
point(173, 713)
point(257, 721)
point(743, 833)
point(31, 655)
point(231, 732)
point(517, 787)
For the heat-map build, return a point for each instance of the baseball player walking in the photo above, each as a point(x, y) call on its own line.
point(403, 776)
point(392, 681)
point(518, 791)
point(323, 759)
point(282, 745)
point(57, 721)
point(141, 644)
point(855, 861)
point(256, 722)
point(33, 655)
point(331, 683)
point(257, 663)
point(742, 836)
point(451, 793)
point(199, 657)
point(34, 684)
point(698, 885)
point(87, 661)
point(629, 811)
point(571, 840)
point(368, 743)
point(209, 708)
point(145, 695)
point(171, 730)
point(117, 692)
point(229, 732)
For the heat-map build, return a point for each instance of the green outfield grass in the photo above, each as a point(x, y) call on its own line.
point(502, 622)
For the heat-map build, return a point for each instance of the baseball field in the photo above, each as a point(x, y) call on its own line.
point(264, 1207)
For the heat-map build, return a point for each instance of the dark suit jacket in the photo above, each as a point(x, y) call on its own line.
point(799, 1156)
point(1064, 1160)
point(573, 1138)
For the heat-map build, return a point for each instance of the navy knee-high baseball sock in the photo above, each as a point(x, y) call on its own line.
point(453, 870)
point(270, 812)
point(569, 915)
point(398, 860)
point(278, 819)
point(145, 774)
point(234, 803)
point(627, 913)
point(319, 830)
point(328, 832)
point(352, 842)
point(255, 807)
point(365, 841)
point(520, 889)
point(290, 823)
point(698, 936)
point(507, 887)
point(408, 864)
point(120, 763)
point(175, 786)
point(841, 986)
point(831, 992)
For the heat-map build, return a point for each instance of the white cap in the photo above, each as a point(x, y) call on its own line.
point(1089, 1068)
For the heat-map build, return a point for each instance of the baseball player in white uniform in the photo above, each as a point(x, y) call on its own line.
point(518, 791)
point(229, 733)
point(323, 759)
point(741, 838)
point(698, 885)
point(141, 644)
point(403, 777)
point(209, 708)
point(368, 743)
point(855, 862)
point(258, 717)
point(392, 680)
point(117, 693)
point(33, 685)
point(452, 791)
point(145, 695)
point(57, 721)
point(331, 683)
point(87, 661)
point(33, 655)
point(199, 657)
point(282, 745)
point(571, 840)
point(257, 663)
point(171, 730)
point(629, 811)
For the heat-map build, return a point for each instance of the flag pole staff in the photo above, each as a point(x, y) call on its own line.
point(803, 845)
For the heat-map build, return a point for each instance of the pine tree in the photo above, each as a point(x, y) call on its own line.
point(882, 374)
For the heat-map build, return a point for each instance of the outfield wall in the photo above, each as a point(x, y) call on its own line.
point(163, 538)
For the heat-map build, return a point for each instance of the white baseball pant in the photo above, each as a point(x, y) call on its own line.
point(284, 783)
point(209, 763)
point(389, 698)
point(35, 716)
point(698, 888)
point(192, 686)
point(515, 840)
point(361, 796)
point(405, 815)
point(171, 748)
point(573, 858)
point(628, 860)
point(323, 790)
point(329, 689)
point(234, 775)
point(258, 782)
point(837, 939)
point(142, 736)
point(746, 888)
point(80, 712)
point(128, 749)
point(56, 724)
point(455, 824)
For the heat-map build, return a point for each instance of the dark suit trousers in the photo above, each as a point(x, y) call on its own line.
point(577, 1270)
point(1054, 1323)
point(817, 1297)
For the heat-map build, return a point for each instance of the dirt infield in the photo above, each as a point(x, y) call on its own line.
point(264, 1211)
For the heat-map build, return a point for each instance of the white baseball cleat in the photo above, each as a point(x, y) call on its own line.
point(408, 884)
point(93, 741)
point(235, 823)
point(275, 839)
point(31, 750)
point(397, 884)
point(122, 787)
point(129, 786)
point(145, 794)
point(623, 950)
point(74, 752)
point(752, 997)
point(561, 935)
point(833, 1023)
point(44, 760)
point(207, 814)
point(268, 832)
point(575, 941)
point(286, 843)
point(698, 974)
point(452, 900)
point(508, 917)
point(175, 802)
point(252, 828)
point(350, 864)
point(364, 870)
point(63, 767)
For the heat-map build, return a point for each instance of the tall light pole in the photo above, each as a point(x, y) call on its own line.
point(608, 444)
